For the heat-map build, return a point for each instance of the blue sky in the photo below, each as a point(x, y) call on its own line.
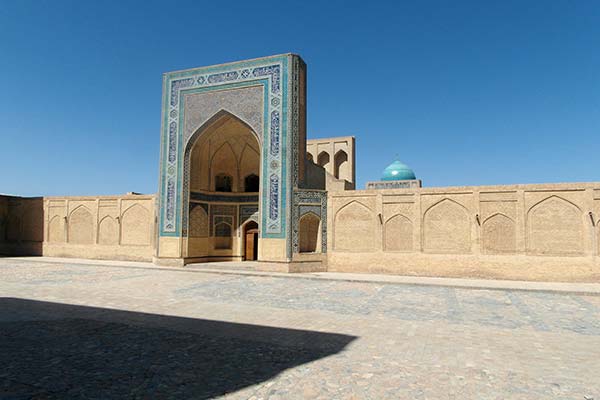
point(465, 92)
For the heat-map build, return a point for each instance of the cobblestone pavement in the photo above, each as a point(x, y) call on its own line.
point(82, 331)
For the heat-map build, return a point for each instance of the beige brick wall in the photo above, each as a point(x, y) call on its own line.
point(539, 232)
point(102, 227)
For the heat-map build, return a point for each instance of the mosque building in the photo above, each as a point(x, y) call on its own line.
point(239, 181)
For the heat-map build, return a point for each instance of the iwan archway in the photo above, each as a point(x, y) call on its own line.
point(233, 149)
point(224, 181)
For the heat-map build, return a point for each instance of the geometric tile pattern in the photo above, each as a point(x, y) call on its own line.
point(272, 74)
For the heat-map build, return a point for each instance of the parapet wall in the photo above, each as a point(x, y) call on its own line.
point(536, 232)
point(102, 227)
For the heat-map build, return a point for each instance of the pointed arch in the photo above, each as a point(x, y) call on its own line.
point(555, 227)
point(81, 226)
point(398, 234)
point(136, 226)
point(56, 229)
point(223, 235)
point(198, 222)
point(341, 165)
point(219, 118)
point(499, 234)
point(323, 159)
point(446, 228)
point(108, 231)
point(309, 227)
point(354, 228)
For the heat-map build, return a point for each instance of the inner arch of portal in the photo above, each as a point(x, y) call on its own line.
point(224, 180)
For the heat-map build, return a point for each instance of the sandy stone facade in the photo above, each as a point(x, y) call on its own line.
point(538, 232)
point(103, 227)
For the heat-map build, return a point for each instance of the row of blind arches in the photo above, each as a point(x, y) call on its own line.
point(323, 160)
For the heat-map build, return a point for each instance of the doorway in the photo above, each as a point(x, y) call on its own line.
point(251, 241)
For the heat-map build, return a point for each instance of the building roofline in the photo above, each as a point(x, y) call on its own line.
point(231, 63)
point(330, 138)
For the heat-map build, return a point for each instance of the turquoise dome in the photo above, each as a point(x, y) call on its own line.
point(397, 171)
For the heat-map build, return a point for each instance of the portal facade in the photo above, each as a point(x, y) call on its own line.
point(233, 149)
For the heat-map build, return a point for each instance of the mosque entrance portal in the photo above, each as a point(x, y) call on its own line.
point(224, 171)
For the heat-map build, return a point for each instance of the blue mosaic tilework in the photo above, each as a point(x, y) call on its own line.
point(272, 73)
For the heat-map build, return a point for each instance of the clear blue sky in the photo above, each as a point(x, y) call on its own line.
point(466, 92)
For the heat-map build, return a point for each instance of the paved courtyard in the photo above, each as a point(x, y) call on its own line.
point(107, 331)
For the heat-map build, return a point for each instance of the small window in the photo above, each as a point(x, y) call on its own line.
point(223, 183)
point(251, 183)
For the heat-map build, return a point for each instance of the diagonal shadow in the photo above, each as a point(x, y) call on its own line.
point(52, 350)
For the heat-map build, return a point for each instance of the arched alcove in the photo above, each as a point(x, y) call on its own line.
point(398, 234)
point(56, 229)
point(224, 173)
point(309, 233)
point(555, 227)
point(108, 231)
point(447, 228)
point(354, 228)
point(499, 235)
point(81, 226)
point(134, 226)
point(341, 165)
point(323, 159)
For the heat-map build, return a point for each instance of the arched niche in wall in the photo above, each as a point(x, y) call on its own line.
point(555, 227)
point(354, 228)
point(198, 222)
point(398, 234)
point(108, 231)
point(136, 227)
point(499, 235)
point(223, 236)
point(81, 226)
point(341, 165)
point(234, 150)
point(309, 233)
point(323, 159)
point(56, 229)
point(447, 228)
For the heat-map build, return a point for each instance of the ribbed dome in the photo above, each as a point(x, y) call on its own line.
point(397, 171)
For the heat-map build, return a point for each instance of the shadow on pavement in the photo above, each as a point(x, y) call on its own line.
point(51, 350)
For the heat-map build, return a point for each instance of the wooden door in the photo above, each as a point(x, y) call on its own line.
point(251, 245)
